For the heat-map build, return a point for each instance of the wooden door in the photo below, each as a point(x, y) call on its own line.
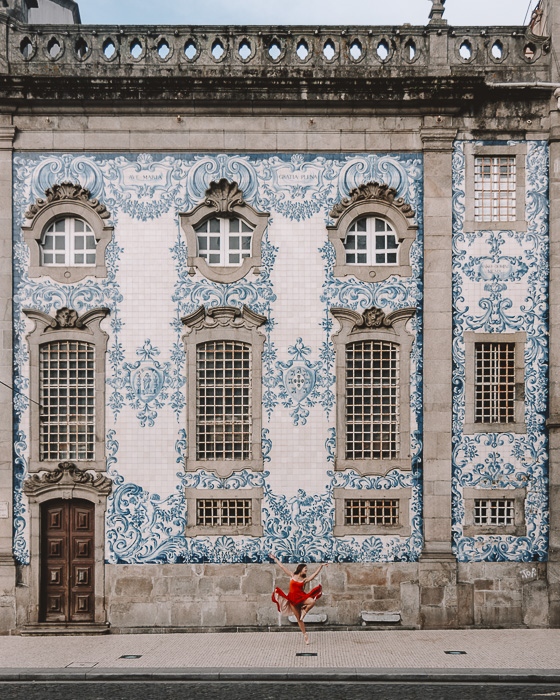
point(67, 561)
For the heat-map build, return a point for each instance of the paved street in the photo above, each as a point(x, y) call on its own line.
point(273, 691)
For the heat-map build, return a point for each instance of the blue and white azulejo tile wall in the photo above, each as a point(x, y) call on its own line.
point(148, 290)
point(500, 285)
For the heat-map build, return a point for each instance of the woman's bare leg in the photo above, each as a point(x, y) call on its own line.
point(306, 607)
point(300, 622)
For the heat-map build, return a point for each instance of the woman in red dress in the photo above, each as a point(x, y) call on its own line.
point(297, 600)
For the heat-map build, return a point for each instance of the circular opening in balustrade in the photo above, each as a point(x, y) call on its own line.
point(410, 50)
point(530, 51)
point(54, 48)
point(356, 50)
point(136, 48)
point(26, 48)
point(275, 49)
point(383, 50)
point(244, 49)
point(302, 49)
point(109, 49)
point(191, 49)
point(466, 50)
point(497, 50)
point(81, 47)
point(329, 49)
point(163, 49)
point(218, 50)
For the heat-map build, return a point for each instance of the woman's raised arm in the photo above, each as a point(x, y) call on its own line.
point(286, 571)
point(317, 572)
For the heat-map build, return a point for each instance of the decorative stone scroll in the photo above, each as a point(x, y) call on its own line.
point(372, 191)
point(67, 191)
point(67, 474)
point(223, 316)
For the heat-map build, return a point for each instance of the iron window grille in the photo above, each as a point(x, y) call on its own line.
point(495, 382)
point(68, 242)
point(67, 398)
point(224, 242)
point(495, 188)
point(494, 511)
point(219, 512)
point(223, 400)
point(372, 400)
point(375, 511)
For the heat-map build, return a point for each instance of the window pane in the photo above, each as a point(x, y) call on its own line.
point(224, 400)
point(66, 431)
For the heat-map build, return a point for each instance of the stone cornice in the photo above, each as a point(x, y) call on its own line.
point(371, 319)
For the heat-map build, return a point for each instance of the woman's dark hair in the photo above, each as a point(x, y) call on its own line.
point(299, 569)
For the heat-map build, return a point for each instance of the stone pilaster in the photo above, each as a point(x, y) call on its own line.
point(7, 566)
point(438, 575)
point(554, 373)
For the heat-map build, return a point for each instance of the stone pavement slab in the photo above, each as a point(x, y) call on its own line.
point(519, 654)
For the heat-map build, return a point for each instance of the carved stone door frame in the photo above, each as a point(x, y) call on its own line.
point(66, 482)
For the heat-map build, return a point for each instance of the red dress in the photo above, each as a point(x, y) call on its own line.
point(296, 596)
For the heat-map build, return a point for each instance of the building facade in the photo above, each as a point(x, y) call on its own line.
point(278, 289)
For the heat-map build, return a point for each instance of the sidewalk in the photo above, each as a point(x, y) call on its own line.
point(491, 656)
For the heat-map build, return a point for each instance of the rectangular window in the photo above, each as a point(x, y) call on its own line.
point(494, 382)
point(375, 511)
point(372, 400)
point(67, 398)
point(223, 400)
point(220, 512)
point(494, 511)
point(495, 188)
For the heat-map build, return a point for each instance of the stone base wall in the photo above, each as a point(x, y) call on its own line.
point(429, 595)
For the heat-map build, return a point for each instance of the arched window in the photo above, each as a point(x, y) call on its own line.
point(68, 242)
point(372, 234)
point(371, 241)
point(224, 234)
point(224, 242)
point(67, 235)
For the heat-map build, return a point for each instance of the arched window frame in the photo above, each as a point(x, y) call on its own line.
point(224, 200)
point(64, 201)
point(224, 323)
point(373, 200)
point(67, 325)
point(373, 324)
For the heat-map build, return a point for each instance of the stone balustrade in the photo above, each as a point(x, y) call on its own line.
point(331, 51)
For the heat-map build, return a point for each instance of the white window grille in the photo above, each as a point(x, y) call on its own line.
point(218, 512)
point(223, 400)
point(67, 398)
point(371, 241)
point(495, 383)
point(224, 242)
point(494, 511)
point(68, 242)
point(375, 511)
point(495, 188)
point(372, 400)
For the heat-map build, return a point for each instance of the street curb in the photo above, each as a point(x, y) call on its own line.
point(356, 675)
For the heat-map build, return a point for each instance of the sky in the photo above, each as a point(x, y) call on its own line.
point(312, 12)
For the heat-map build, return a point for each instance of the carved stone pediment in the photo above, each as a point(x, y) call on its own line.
point(223, 316)
point(372, 191)
point(68, 191)
point(66, 318)
point(371, 319)
point(66, 475)
point(224, 196)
